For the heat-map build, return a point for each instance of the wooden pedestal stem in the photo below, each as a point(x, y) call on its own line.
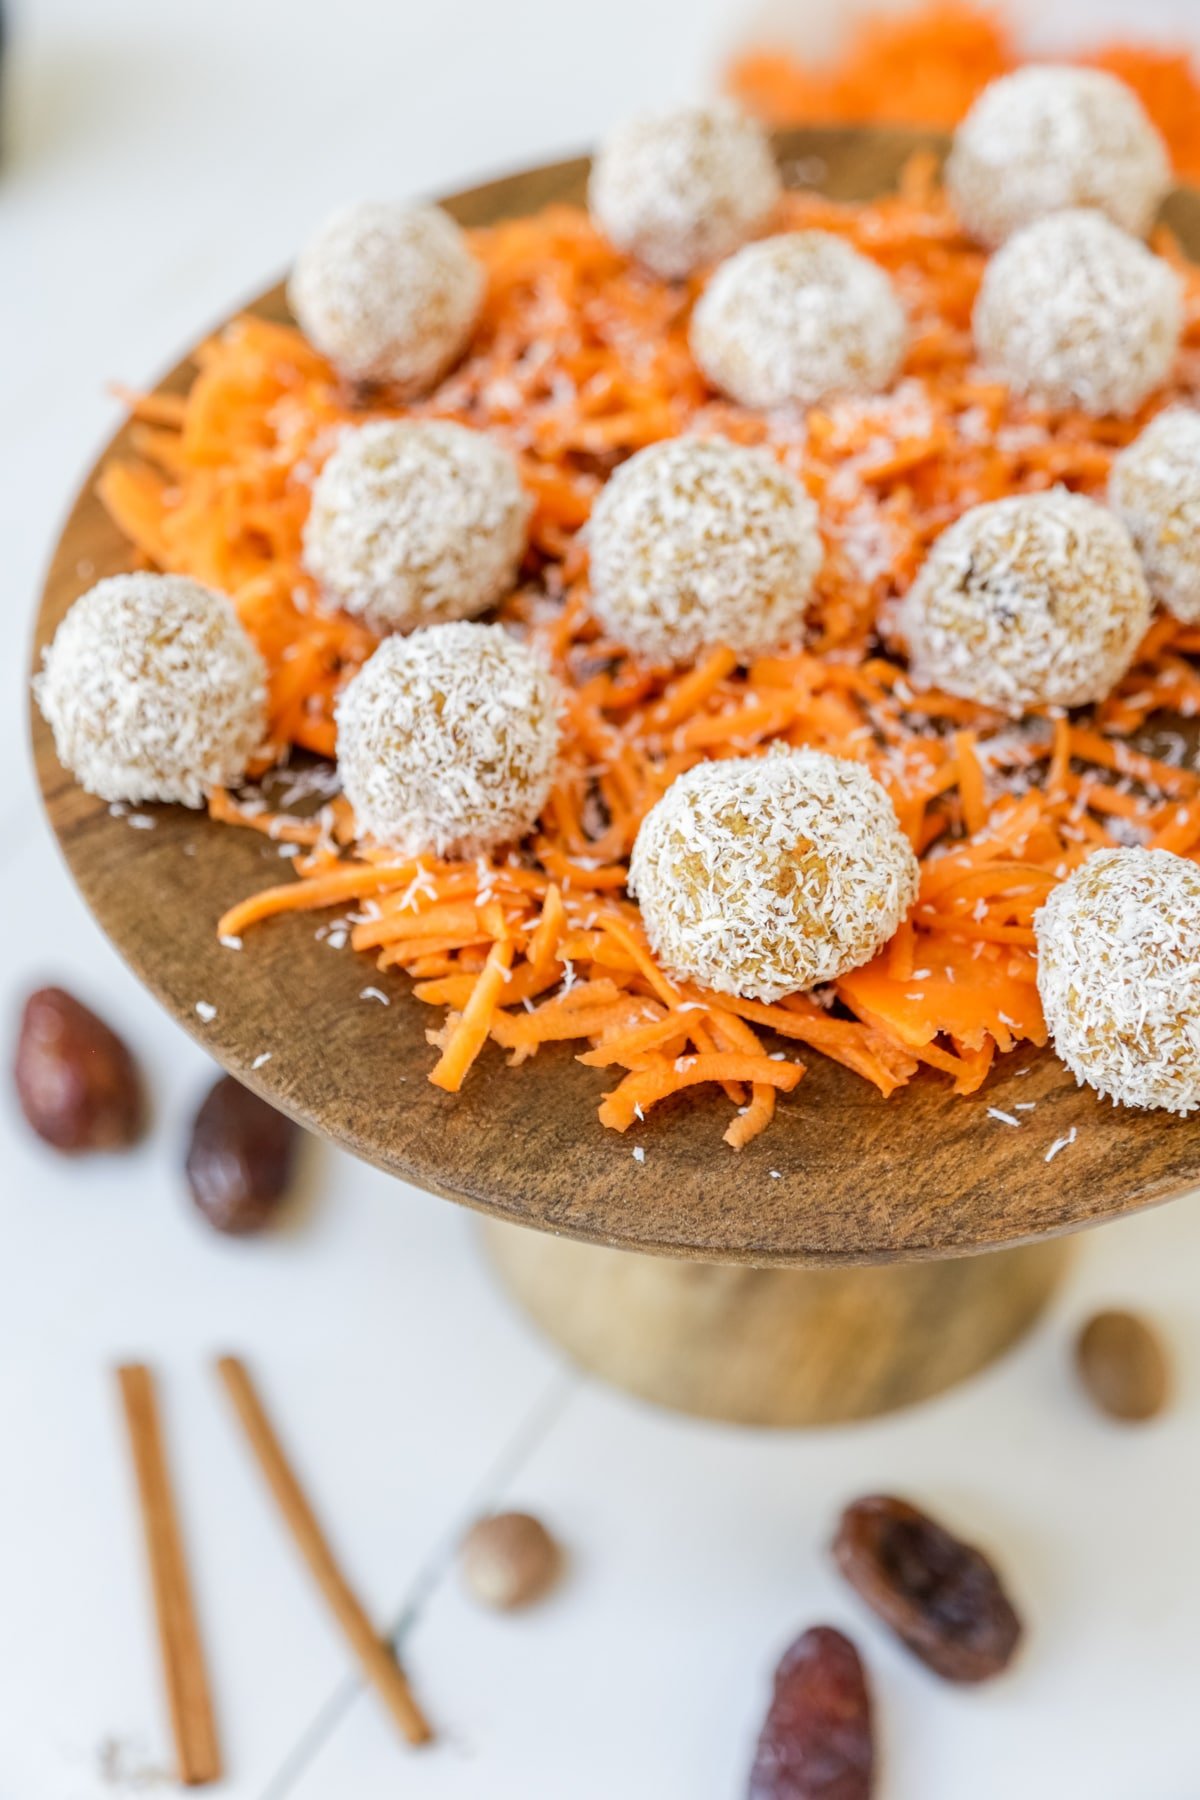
point(781, 1347)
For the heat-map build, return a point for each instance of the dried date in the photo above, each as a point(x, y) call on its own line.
point(76, 1081)
point(942, 1597)
point(240, 1159)
point(817, 1742)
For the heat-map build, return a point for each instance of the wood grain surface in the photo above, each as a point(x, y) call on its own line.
point(859, 1179)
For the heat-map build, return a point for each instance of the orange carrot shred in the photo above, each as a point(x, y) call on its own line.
point(581, 356)
point(471, 1032)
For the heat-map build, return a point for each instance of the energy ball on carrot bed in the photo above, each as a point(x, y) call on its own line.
point(1119, 976)
point(697, 542)
point(764, 876)
point(447, 740)
point(799, 318)
point(1048, 138)
point(1075, 312)
point(681, 189)
point(389, 294)
point(416, 522)
point(1155, 488)
point(153, 690)
point(1037, 600)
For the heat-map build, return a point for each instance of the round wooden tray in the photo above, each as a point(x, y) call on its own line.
point(860, 1179)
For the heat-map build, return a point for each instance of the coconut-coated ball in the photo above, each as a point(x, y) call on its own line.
point(447, 740)
point(1049, 138)
point(763, 876)
point(415, 522)
point(1155, 487)
point(153, 690)
point(1119, 976)
point(683, 188)
point(802, 317)
point(1037, 600)
point(697, 542)
point(389, 294)
point(1075, 312)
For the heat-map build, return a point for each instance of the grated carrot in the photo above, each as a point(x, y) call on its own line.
point(579, 356)
point(926, 67)
point(468, 1036)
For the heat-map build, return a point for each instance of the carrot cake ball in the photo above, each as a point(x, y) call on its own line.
point(388, 293)
point(153, 690)
point(416, 521)
point(697, 542)
point(684, 188)
point(1075, 312)
point(447, 740)
point(1047, 139)
point(1155, 487)
point(1119, 975)
point(1037, 600)
point(802, 317)
point(762, 876)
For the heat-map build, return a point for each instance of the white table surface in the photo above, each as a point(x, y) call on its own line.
point(163, 159)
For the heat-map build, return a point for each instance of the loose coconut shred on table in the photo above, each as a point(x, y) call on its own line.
point(580, 359)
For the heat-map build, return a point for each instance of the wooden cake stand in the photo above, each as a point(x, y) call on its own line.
point(829, 1271)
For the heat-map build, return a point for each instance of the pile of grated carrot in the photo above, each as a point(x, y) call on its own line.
point(579, 360)
point(926, 66)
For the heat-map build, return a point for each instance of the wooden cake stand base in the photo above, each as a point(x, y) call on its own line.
point(863, 1255)
point(775, 1346)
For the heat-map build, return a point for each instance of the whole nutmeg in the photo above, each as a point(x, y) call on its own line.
point(1123, 1366)
point(240, 1159)
point(76, 1081)
point(509, 1560)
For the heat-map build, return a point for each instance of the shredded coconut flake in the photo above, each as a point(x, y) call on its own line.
point(1119, 976)
point(388, 293)
point(415, 522)
point(766, 876)
point(447, 739)
point(206, 1012)
point(684, 188)
point(799, 318)
point(1047, 138)
point(697, 542)
point(1076, 313)
point(1035, 599)
point(1061, 1143)
point(153, 691)
point(1155, 487)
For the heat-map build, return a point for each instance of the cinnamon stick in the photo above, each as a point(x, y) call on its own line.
point(375, 1656)
point(188, 1698)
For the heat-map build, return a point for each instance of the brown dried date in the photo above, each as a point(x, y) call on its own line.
point(239, 1161)
point(817, 1741)
point(942, 1597)
point(77, 1083)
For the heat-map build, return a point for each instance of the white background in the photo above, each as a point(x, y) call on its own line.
point(163, 159)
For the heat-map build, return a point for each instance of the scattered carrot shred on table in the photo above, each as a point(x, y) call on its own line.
point(581, 359)
point(926, 66)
